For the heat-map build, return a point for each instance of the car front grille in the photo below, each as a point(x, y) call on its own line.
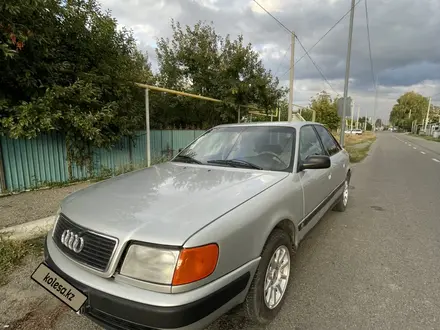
point(113, 322)
point(97, 249)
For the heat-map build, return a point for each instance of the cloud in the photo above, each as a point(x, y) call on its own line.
point(404, 37)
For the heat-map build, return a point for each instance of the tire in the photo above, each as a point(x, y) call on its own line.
point(343, 201)
point(256, 306)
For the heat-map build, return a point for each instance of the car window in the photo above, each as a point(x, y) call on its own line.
point(328, 140)
point(267, 147)
point(217, 144)
point(309, 143)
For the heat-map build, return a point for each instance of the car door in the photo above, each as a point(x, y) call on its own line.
point(337, 156)
point(315, 182)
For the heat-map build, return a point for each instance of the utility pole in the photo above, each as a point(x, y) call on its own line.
point(357, 121)
point(366, 120)
point(427, 115)
point(279, 111)
point(292, 67)
point(373, 120)
point(352, 114)
point(347, 72)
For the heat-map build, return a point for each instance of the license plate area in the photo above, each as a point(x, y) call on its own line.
point(59, 287)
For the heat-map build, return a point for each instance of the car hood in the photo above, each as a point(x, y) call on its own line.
point(165, 204)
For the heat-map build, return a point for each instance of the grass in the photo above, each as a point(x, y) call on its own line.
point(426, 137)
point(358, 146)
point(358, 154)
point(13, 252)
point(42, 186)
point(351, 139)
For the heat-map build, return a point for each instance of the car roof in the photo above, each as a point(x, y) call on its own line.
point(294, 124)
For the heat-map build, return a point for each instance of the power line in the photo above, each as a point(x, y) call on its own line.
point(299, 41)
point(281, 61)
point(320, 39)
point(276, 19)
point(316, 66)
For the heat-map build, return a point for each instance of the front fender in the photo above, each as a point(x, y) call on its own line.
point(242, 233)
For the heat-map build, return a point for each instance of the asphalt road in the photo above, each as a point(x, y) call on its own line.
point(376, 266)
point(422, 144)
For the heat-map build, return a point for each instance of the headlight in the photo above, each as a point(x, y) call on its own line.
point(170, 267)
point(150, 264)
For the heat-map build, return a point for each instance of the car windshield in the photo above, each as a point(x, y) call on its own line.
point(257, 147)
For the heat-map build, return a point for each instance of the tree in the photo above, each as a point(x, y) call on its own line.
point(378, 122)
point(65, 66)
point(409, 107)
point(13, 34)
point(200, 61)
point(326, 110)
point(362, 121)
point(74, 73)
point(307, 114)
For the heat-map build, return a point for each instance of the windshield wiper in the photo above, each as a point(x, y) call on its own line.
point(187, 159)
point(235, 163)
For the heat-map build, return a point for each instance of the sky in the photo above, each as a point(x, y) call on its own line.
point(405, 41)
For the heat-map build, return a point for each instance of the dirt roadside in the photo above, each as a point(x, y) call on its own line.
point(27, 306)
point(33, 205)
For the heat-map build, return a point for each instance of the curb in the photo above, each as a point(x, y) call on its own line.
point(29, 230)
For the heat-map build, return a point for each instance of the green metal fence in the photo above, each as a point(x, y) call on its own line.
point(32, 163)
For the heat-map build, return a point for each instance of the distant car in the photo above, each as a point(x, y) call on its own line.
point(177, 245)
point(354, 131)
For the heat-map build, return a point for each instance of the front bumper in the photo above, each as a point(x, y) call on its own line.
point(115, 312)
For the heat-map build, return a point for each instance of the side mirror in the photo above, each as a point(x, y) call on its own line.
point(315, 163)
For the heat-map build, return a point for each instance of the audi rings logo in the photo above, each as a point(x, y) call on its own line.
point(72, 241)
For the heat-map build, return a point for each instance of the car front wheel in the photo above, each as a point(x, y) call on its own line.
point(271, 281)
point(342, 203)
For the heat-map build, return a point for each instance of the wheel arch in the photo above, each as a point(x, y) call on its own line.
point(289, 227)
